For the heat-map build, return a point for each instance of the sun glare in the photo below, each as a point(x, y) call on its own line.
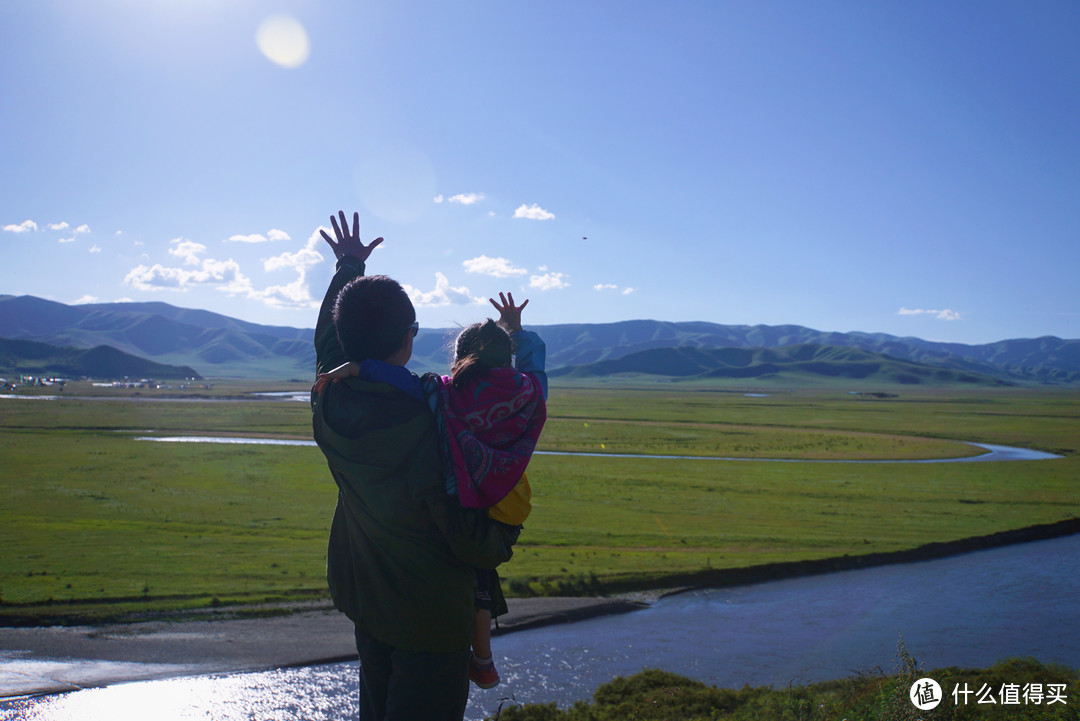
point(283, 40)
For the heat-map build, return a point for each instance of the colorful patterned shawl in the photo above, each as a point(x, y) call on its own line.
point(489, 429)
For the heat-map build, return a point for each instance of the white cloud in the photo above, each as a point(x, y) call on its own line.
point(23, 227)
point(491, 213)
point(296, 294)
point(223, 273)
point(226, 276)
point(945, 314)
point(548, 281)
point(253, 238)
point(85, 299)
point(497, 267)
point(188, 250)
point(59, 226)
point(443, 294)
point(301, 260)
point(533, 212)
point(438, 198)
point(466, 198)
point(83, 228)
point(611, 286)
point(157, 277)
point(66, 240)
point(95, 248)
point(275, 235)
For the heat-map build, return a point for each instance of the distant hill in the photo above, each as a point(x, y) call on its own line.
point(103, 362)
point(223, 347)
point(217, 345)
point(1044, 360)
point(806, 362)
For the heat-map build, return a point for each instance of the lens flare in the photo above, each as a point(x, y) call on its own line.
point(283, 40)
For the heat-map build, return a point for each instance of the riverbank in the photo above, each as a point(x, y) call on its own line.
point(727, 577)
point(41, 660)
point(66, 658)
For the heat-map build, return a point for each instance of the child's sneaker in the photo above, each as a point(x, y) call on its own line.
point(483, 673)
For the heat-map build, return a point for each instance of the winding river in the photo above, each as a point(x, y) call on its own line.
point(967, 610)
point(993, 453)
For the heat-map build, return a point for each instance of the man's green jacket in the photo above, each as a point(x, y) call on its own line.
point(401, 553)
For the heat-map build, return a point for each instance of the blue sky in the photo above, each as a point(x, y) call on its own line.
point(904, 167)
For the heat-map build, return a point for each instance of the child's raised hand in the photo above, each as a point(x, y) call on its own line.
point(509, 314)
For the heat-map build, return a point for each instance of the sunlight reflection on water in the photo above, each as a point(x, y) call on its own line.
point(968, 610)
point(314, 692)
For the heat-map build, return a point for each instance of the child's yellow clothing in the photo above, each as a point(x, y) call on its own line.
point(515, 507)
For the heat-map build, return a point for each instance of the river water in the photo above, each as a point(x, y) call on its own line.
point(993, 452)
point(967, 610)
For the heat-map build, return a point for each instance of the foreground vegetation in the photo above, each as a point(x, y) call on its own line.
point(661, 696)
point(96, 524)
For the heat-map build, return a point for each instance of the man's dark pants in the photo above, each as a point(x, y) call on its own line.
point(398, 685)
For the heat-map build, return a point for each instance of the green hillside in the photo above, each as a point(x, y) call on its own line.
point(224, 347)
point(103, 362)
point(804, 362)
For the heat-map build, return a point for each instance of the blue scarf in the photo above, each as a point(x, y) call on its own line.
point(398, 376)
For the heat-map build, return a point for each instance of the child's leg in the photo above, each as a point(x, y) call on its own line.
point(481, 644)
point(482, 670)
point(482, 629)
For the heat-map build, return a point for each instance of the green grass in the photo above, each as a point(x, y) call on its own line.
point(1045, 419)
point(644, 518)
point(89, 515)
point(93, 522)
point(654, 695)
point(735, 441)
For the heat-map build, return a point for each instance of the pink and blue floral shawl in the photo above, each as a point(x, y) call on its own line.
point(489, 429)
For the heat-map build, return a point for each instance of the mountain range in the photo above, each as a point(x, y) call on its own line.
point(805, 364)
point(41, 359)
point(219, 346)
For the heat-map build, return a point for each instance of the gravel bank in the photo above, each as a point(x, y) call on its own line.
point(56, 659)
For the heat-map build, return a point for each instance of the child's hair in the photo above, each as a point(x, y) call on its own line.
point(479, 348)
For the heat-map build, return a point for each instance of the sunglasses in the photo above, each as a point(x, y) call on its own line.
point(414, 327)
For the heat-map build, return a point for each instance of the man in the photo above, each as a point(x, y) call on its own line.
point(401, 553)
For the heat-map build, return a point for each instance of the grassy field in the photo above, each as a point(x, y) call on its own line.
point(93, 522)
point(654, 695)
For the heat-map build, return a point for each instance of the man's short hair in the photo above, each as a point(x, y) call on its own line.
point(371, 315)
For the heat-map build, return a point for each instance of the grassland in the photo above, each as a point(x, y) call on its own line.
point(654, 695)
point(94, 523)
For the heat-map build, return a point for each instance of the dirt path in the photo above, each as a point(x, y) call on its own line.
point(55, 659)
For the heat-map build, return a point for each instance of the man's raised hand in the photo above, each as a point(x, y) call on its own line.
point(348, 243)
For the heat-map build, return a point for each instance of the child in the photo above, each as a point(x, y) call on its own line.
point(489, 414)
